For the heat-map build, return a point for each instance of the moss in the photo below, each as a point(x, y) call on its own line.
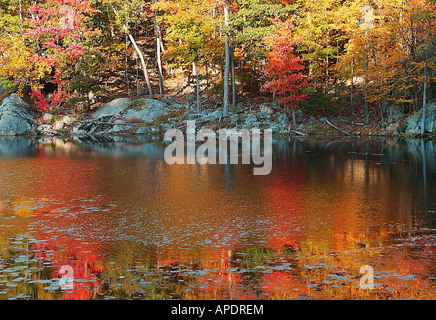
point(136, 103)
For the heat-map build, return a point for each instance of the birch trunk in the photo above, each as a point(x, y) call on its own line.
point(227, 62)
point(424, 94)
point(141, 57)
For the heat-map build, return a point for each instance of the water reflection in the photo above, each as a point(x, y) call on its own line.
point(133, 227)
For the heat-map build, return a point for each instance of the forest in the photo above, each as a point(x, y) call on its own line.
point(318, 55)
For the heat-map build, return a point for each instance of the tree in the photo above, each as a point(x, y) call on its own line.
point(250, 22)
point(50, 42)
point(226, 6)
point(126, 13)
point(283, 70)
point(191, 29)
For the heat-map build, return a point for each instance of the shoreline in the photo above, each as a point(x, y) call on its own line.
point(151, 118)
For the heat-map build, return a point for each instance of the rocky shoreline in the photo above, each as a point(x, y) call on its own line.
point(152, 118)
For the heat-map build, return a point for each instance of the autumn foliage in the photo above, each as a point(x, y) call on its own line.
point(60, 51)
point(284, 68)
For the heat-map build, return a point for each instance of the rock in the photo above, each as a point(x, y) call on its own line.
point(193, 116)
point(149, 111)
point(108, 119)
point(47, 130)
point(283, 119)
point(102, 126)
point(266, 109)
point(59, 125)
point(234, 118)
point(414, 122)
point(430, 117)
point(113, 108)
point(142, 109)
point(15, 117)
point(215, 115)
point(274, 127)
point(46, 116)
point(394, 113)
point(250, 120)
point(414, 125)
point(119, 125)
point(143, 130)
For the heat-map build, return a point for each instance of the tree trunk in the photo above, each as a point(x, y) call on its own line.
point(158, 58)
point(424, 94)
point(227, 62)
point(126, 67)
point(141, 57)
point(352, 87)
point(366, 92)
point(294, 120)
point(326, 76)
point(382, 102)
point(144, 66)
point(197, 84)
point(233, 79)
point(20, 12)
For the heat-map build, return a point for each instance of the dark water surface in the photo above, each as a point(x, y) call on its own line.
point(128, 226)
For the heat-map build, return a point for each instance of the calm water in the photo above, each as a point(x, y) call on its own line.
point(128, 226)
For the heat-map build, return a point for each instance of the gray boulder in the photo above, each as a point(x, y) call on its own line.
point(266, 108)
point(250, 121)
point(394, 113)
point(143, 130)
point(108, 119)
point(142, 109)
point(414, 122)
point(430, 117)
point(413, 125)
point(120, 125)
point(283, 119)
point(15, 117)
point(113, 108)
point(213, 116)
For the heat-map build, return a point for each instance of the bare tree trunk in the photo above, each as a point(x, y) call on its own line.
point(294, 120)
point(352, 87)
point(207, 75)
point(20, 12)
point(158, 56)
point(366, 92)
point(227, 62)
point(382, 102)
point(144, 66)
point(141, 57)
point(195, 71)
point(126, 76)
point(326, 76)
point(424, 94)
point(233, 79)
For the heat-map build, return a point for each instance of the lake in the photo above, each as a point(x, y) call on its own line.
point(111, 220)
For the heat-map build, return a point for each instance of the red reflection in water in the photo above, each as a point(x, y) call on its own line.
point(83, 261)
